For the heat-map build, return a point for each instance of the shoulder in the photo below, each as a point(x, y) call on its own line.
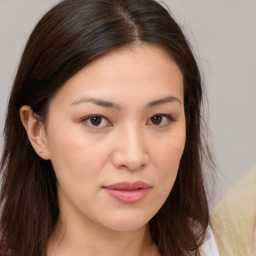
point(209, 247)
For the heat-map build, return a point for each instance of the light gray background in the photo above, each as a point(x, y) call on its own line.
point(223, 36)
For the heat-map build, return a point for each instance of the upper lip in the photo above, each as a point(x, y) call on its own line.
point(128, 185)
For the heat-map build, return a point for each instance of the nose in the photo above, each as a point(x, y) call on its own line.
point(130, 150)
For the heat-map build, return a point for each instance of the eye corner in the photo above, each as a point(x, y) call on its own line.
point(161, 120)
point(96, 121)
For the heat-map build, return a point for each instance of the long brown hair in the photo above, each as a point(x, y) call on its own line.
point(67, 38)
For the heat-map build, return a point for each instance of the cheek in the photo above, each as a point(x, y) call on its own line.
point(75, 157)
point(167, 154)
point(77, 163)
point(167, 164)
point(166, 159)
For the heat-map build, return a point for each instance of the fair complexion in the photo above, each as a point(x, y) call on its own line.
point(118, 120)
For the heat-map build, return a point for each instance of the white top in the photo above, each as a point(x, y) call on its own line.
point(209, 247)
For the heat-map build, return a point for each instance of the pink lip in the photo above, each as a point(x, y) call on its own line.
point(127, 192)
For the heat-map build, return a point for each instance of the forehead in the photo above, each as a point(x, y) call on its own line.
point(143, 55)
point(140, 69)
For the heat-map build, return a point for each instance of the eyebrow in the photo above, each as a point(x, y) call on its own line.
point(163, 101)
point(99, 102)
point(108, 104)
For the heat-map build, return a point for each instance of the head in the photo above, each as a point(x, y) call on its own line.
point(72, 39)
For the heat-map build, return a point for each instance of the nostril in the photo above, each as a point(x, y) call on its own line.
point(126, 161)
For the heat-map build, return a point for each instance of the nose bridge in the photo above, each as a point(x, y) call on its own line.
point(131, 148)
point(134, 141)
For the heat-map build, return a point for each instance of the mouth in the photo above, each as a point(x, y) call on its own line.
point(126, 192)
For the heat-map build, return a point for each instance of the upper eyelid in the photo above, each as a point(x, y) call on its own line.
point(169, 116)
point(93, 115)
point(86, 118)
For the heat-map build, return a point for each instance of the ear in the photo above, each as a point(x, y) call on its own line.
point(35, 131)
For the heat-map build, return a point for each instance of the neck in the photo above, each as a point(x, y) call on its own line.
point(76, 239)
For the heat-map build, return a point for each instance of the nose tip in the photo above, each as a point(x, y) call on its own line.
point(129, 162)
point(130, 153)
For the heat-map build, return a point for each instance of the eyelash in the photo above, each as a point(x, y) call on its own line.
point(167, 117)
point(88, 120)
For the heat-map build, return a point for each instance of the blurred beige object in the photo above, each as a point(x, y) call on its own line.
point(233, 220)
point(254, 240)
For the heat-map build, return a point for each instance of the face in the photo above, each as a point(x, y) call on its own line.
point(115, 135)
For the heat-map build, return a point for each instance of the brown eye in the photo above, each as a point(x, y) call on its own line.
point(95, 120)
point(160, 120)
point(156, 120)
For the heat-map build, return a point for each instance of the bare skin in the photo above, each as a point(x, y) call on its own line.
point(118, 120)
point(107, 244)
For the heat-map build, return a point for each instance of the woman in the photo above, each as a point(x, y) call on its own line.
point(103, 152)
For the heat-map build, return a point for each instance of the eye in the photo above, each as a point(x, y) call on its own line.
point(96, 121)
point(160, 120)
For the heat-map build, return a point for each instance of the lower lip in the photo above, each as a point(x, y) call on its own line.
point(127, 196)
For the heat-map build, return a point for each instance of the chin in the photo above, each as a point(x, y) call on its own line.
point(128, 222)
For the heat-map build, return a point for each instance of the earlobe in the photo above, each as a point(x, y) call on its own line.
point(35, 131)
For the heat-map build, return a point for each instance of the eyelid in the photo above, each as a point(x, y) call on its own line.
point(169, 117)
point(87, 118)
